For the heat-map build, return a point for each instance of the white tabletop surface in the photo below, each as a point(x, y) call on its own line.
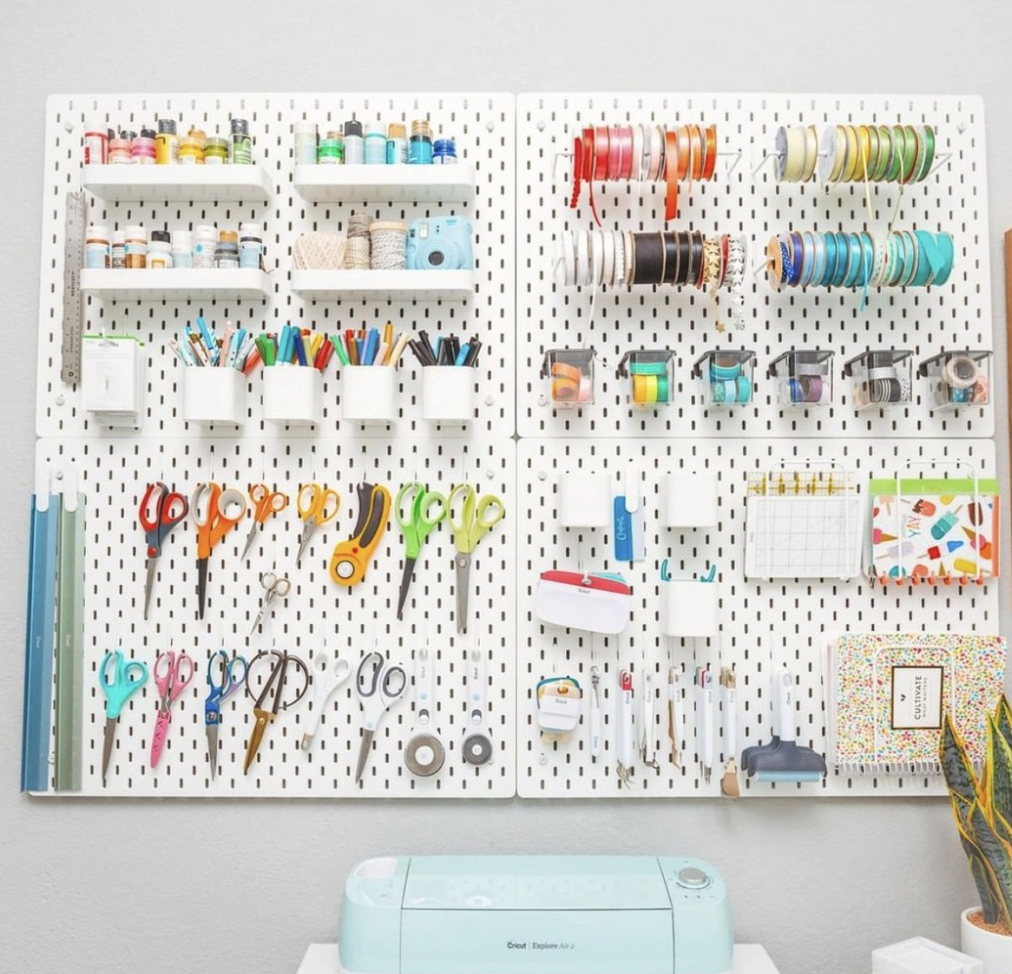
point(748, 959)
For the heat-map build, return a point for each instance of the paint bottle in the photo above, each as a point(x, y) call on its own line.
point(242, 145)
point(121, 150)
point(135, 248)
point(251, 245)
point(216, 152)
point(397, 144)
point(97, 249)
point(331, 151)
point(444, 152)
point(118, 249)
point(182, 248)
point(420, 146)
point(166, 142)
point(191, 148)
point(142, 148)
point(354, 145)
point(226, 254)
point(375, 144)
point(305, 143)
point(205, 240)
point(159, 255)
point(96, 142)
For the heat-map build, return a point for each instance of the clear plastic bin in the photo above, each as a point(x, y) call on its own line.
point(725, 377)
point(651, 375)
point(960, 378)
point(804, 378)
point(880, 378)
point(570, 375)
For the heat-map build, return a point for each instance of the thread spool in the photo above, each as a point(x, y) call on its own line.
point(388, 244)
point(357, 253)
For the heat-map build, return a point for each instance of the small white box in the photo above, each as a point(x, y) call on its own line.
point(689, 608)
point(293, 395)
point(448, 393)
point(584, 500)
point(922, 956)
point(213, 395)
point(690, 500)
point(113, 378)
point(368, 393)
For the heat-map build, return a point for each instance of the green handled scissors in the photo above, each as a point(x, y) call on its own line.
point(476, 519)
point(425, 510)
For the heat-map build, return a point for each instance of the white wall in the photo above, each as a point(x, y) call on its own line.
point(236, 887)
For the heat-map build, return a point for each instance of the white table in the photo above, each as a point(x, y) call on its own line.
point(748, 959)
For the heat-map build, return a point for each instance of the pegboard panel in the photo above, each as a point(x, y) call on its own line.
point(316, 617)
point(484, 128)
point(926, 320)
point(763, 624)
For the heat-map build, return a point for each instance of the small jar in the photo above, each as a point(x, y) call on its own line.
point(120, 151)
point(226, 254)
point(166, 142)
point(420, 147)
point(331, 151)
point(242, 144)
point(205, 240)
point(191, 148)
point(182, 248)
point(135, 248)
point(375, 144)
point(160, 250)
point(216, 152)
point(143, 148)
point(97, 248)
point(444, 152)
point(251, 245)
point(354, 145)
point(305, 143)
point(118, 250)
point(397, 144)
point(96, 142)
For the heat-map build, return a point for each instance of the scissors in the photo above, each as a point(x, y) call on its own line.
point(266, 502)
point(128, 676)
point(224, 509)
point(275, 586)
point(316, 512)
point(160, 511)
point(476, 519)
point(276, 683)
point(173, 674)
point(232, 672)
point(329, 673)
point(379, 686)
point(427, 509)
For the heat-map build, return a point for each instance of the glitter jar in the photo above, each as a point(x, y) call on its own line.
point(135, 248)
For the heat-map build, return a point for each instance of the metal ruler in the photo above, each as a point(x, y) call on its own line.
point(73, 299)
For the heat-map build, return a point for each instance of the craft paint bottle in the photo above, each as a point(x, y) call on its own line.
point(444, 152)
point(182, 248)
point(216, 152)
point(397, 144)
point(159, 255)
point(375, 144)
point(135, 250)
point(142, 148)
point(118, 249)
point(96, 142)
point(420, 147)
point(251, 245)
point(331, 151)
point(205, 239)
point(121, 150)
point(354, 145)
point(226, 254)
point(242, 145)
point(305, 143)
point(166, 142)
point(97, 250)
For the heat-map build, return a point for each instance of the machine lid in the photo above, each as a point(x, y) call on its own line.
point(535, 883)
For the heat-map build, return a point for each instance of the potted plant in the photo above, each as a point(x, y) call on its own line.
point(982, 807)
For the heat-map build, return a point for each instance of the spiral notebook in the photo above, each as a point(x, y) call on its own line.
point(935, 529)
point(887, 693)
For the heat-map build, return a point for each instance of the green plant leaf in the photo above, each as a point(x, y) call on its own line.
point(997, 855)
point(999, 781)
point(1003, 718)
point(956, 765)
point(987, 889)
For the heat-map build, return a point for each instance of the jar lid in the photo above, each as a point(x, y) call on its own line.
point(97, 230)
point(240, 126)
point(442, 145)
point(160, 236)
point(386, 225)
point(167, 125)
point(96, 124)
point(333, 137)
point(147, 133)
point(397, 130)
point(376, 128)
point(206, 230)
point(182, 239)
point(216, 143)
point(354, 127)
point(198, 135)
point(420, 126)
point(128, 134)
point(118, 236)
point(304, 127)
point(137, 231)
point(228, 236)
point(250, 228)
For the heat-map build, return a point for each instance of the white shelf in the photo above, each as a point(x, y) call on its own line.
point(393, 285)
point(424, 184)
point(154, 183)
point(177, 284)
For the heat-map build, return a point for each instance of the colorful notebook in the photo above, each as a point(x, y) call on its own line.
point(934, 529)
point(887, 693)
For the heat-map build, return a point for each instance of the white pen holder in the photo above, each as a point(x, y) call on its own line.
point(689, 608)
point(213, 395)
point(448, 393)
point(690, 500)
point(368, 393)
point(584, 500)
point(293, 395)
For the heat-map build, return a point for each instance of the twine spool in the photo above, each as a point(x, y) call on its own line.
point(389, 245)
point(357, 251)
point(319, 252)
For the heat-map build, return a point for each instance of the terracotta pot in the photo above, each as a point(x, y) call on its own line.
point(994, 950)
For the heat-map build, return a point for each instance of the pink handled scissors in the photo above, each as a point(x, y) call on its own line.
point(173, 674)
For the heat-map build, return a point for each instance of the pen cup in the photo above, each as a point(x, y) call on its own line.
point(293, 395)
point(689, 608)
point(213, 395)
point(368, 393)
point(448, 393)
point(690, 500)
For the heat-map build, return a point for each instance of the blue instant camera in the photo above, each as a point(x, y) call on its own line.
point(441, 243)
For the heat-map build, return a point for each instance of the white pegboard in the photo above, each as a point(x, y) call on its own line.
point(484, 128)
point(316, 616)
point(953, 199)
point(762, 623)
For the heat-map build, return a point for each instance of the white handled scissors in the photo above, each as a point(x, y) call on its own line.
point(329, 672)
point(379, 686)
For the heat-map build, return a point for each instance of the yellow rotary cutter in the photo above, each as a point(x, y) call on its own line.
point(351, 558)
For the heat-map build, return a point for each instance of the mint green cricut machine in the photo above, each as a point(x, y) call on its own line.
point(535, 915)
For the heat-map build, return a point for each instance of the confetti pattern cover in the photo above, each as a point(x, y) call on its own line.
point(935, 529)
point(873, 684)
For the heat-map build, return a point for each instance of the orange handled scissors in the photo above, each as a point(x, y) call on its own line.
point(215, 512)
point(265, 502)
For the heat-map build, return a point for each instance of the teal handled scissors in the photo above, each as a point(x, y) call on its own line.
point(127, 678)
point(476, 519)
point(224, 677)
point(426, 509)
